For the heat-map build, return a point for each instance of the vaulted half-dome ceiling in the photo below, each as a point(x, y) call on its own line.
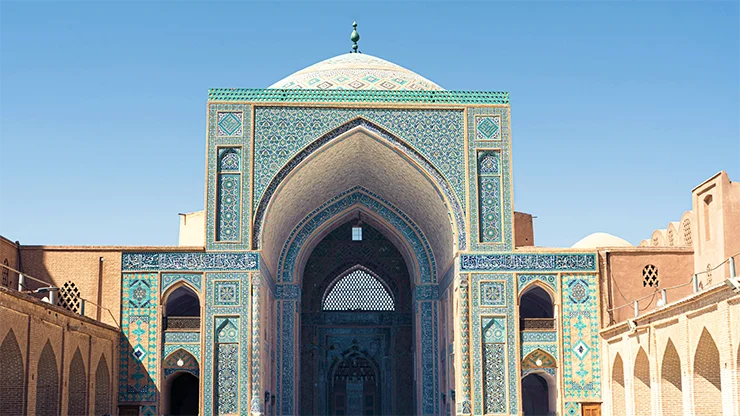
point(356, 71)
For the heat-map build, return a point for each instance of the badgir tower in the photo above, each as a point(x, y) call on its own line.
point(360, 254)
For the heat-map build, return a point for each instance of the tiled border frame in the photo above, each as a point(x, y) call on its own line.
point(512, 357)
point(454, 195)
point(507, 208)
point(214, 142)
point(245, 328)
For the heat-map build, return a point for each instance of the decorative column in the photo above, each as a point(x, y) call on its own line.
point(464, 403)
point(287, 355)
point(257, 402)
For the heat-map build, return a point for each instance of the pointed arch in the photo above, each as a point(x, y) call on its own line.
point(619, 404)
point(358, 288)
point(707, 383)
point(77, 386)
point(424, 166)
point(102, 388)
point(642, 399)
point(182, 307)
point(47, 382)
point(382, 215)
point(12, 379)
point(181, 360)
point(671, 390)
point(538, 359)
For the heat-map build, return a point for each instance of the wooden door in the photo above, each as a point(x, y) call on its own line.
point(591, 409)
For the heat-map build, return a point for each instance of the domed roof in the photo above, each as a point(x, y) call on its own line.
point(356, 71)
point(601, 240)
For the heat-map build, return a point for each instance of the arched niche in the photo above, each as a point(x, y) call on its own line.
point(539, 394)
point(707, 377)
point(181, 386)
point(181, 307)
point(536, 308)
point(367, 156)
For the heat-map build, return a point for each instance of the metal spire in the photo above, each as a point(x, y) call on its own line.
point(354, 37)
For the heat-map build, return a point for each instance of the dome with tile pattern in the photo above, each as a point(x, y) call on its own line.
point(356, 71)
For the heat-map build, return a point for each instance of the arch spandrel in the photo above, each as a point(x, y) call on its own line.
point(359, 158)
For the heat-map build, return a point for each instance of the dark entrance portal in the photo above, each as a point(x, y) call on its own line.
point(184, 395)
point(535, 396)
point(356, 328)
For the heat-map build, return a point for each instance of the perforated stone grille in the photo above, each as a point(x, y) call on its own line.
point(650, 276)
point(358, 291)
point(687, 231)
point(69, 297)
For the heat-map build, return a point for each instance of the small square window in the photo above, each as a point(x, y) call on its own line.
point(356, 233)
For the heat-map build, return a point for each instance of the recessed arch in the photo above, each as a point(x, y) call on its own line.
point(77, 386)
point(707, 382)
point(47, 382)
point(385, 217)
point(355, 385)
point(671, 389)
point(180, 393)
point(536, 308)
point(359, 157)
point(12, 375)
point(102, 388)
point(619, 403)
point(642, 399)
point(539, 393)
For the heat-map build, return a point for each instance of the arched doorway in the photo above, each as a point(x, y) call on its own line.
point(535, 396)
point(536, 310)
point(183, 394)
point(356, 345)
point(355, 386)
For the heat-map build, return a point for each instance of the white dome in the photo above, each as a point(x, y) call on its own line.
point(356, 71)
point(596, 240)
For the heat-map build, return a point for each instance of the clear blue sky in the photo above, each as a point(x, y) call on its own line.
point(618, 109)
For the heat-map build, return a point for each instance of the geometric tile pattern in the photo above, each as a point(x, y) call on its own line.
point(539, 336)
point(572, 409)
point(226, 293)
point(169, 279)
point(228, 153)
point(464, 402)
point(581, 369)
point(350, 96)
point(256, 402)
point(493, 294)
point(227, 329)
point(488, 127)
point(180, 360)
point(227, 379)
point(528, 262)
point(491, 206)
point(548, 279)
point(435, 162)
point(229, 205)
point(192, 261)
point(538, 359)
point(281, 132)
point(230, 123)
point(494, 378)
point(138, 360)
point(193, 349)
point(229, 194)
point(486, 396)
point(172, 337)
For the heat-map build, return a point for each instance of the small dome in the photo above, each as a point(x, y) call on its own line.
point(356, 71)
point(596, 240)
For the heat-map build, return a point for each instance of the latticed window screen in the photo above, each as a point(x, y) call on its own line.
point(358, 291)
point(69, 297)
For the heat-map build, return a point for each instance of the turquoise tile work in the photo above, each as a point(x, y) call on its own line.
point(349, 96)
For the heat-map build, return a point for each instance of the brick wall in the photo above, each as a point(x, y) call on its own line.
point(48, 342)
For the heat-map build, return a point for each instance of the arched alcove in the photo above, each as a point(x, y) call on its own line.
point(182, 308)
point(619, 403)
point(536, 309)
point(11, 376)
point(102, 388)
point(355, 386)
point(47, 382)
point(539, 394)
point(77, 386)
point(707, 383)
point(671, 389)
point(183, 394)
point(642, 399)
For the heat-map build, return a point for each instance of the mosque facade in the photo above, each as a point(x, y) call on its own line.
point(359, 254)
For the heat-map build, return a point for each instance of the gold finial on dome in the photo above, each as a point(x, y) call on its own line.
point(354, 37)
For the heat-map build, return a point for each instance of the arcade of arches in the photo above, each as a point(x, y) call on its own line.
point(359, 254)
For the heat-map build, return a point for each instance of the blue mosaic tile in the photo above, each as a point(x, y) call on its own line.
point(528, 262)
point(169, 279)
point(226, 293)
point(189, 261)
point(580, 331)
point(229, 207)
point(230, 123)
point(493, 294)
point(548, 279)
point(274, 95)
